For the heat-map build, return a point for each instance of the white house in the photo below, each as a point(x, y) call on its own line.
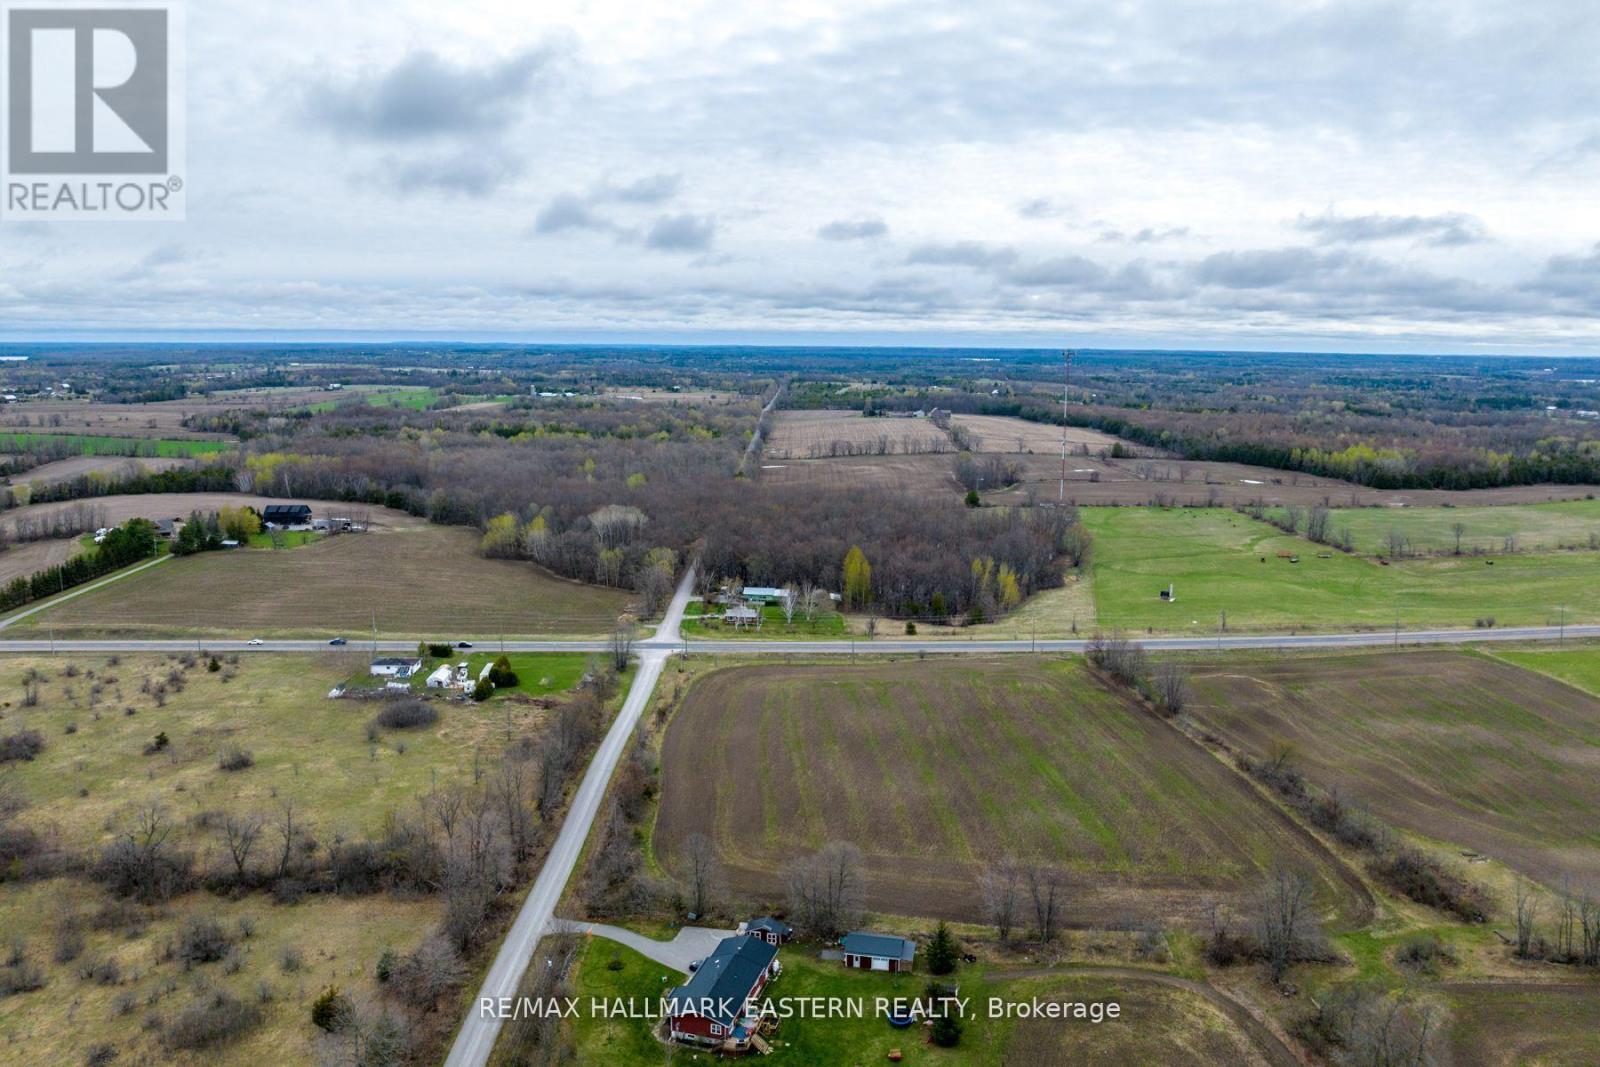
point(394, 668)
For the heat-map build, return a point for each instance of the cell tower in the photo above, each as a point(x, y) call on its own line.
point(1066, 386)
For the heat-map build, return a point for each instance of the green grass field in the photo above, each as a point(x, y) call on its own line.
point(410, 397)
point(1578, 666)
point(1567, 524)
point(1158, 1024)
point(100, 445)
point(1219, 561)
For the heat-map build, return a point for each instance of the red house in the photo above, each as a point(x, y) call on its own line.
point(717, 1006)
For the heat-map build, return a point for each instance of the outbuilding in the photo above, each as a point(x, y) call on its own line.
point(285, 515)
point(772, 931)
point(878, 952)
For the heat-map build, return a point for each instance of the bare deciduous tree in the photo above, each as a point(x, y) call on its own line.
point(239, 836)
point(825, 889)
point(701, 872)
point(1526, 904)
point(1001, 885)
point(1171, 685)
point(622, 644)
point(1047, 890)
point(1285, 924)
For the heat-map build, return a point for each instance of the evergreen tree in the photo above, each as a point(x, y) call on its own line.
point(942, 951)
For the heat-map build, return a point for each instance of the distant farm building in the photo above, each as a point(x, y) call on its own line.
point(167, 529)
point(282, 515)
point(764, 594)
point(717, 1006)
point(394, 668)
point(878, 952)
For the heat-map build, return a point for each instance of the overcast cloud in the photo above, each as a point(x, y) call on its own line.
point(1258, 173)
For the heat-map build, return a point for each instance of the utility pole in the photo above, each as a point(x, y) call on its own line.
point(1562, 639)
point(1066, 387)
point(374, 637)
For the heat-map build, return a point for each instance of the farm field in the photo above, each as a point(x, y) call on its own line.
point(1578, 666)
point(1094, 481)
point(931, 768)
point(1567, 524)
point(1220, 561)
point(28, 559)
point(817, 434)
point(103, 445)
point(417, 581)
point(1002, 433)
point(1523, 1025)
point(65, 470)
point(1460, 748)
point(1160, 1022)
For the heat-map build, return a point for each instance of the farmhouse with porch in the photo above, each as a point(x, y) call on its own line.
point(877, 952)
point(716, 1008)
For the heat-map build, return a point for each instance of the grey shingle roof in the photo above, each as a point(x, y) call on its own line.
point(861, 943)
point(717, 990)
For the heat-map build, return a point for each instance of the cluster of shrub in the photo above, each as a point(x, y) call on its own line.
point(1164, 684)
point(467, 843)
point(1403, 867)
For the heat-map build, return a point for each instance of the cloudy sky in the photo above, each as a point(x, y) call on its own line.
point(1255, 173)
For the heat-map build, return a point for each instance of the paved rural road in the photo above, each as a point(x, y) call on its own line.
point(475, 1040)
point(691, 943)
point(668, 640)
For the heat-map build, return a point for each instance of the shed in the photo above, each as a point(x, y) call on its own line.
point(878, 952)
point(772, 931)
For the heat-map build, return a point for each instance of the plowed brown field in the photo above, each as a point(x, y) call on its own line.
point(933, 768)
point(1454, 746)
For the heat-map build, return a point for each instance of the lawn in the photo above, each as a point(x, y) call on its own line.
point(1569, 523)
point(1158, 1023)
point(1460, 748)
point(424, 581)
point(935, 768)
point(539, 673)
point(826, 625)
point(101, 445)
point(1220, 562)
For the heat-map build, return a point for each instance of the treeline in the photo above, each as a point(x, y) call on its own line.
point(129, 543)
point(215, 478)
